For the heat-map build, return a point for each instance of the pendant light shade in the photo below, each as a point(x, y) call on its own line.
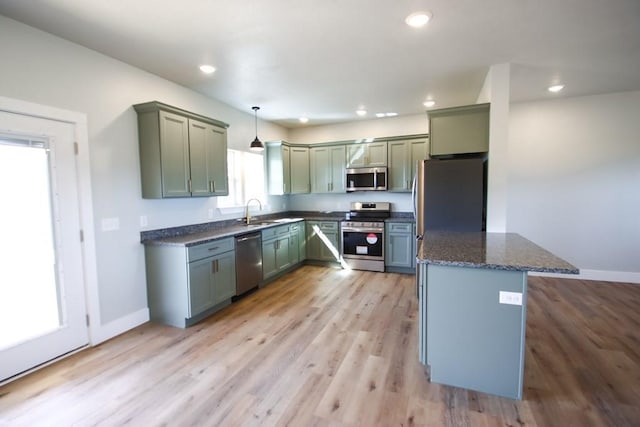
point(256, 145)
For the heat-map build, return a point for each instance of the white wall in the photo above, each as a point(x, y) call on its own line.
point(364, 128)
point(44, 69)
point(498, 89)
point(574, 180)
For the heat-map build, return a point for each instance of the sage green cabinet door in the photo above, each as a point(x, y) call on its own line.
point(283, 259)
point(294, 244)
point(201, 290)
point(400, 244)
point(299, 170)
point(398, 165)
point(320, 169)
point(224, 277)
point(275, 256)
point(269, 267)
point(357, 155)
point(370, 154)
point(302, 242)
point(211, 281)
point(377, 154)
point(174, 155)
point(403, 156)
point(419, 149)
point(323, 243)
point(327, 169)
point(459, 130)
point(337, 166)
point(286, 169)
point(208, 158)
point(278, 168)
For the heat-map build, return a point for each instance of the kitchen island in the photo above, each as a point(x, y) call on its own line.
point(472, 290)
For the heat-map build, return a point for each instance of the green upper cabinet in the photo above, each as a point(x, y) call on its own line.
point(403, 155)
point(327, 165)
point(287, 168)
point(299, 167)
point(277, 156)
point(369, 154)
point(459, 130)
point(208, 166)
point(182, 154)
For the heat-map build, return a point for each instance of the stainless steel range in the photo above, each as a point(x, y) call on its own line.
point(363, 235)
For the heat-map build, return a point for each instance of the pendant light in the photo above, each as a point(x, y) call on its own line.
point(256, 145)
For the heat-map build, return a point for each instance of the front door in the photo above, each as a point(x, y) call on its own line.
point(42, 291)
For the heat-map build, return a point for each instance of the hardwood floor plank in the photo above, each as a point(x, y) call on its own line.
point(329, 347)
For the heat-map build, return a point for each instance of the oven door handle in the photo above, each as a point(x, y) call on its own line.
point(362, 230)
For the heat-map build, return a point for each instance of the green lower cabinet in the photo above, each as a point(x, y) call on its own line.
point(400, 245)
point(211, 281)
point(302, 241)
point(187, 284)
point(294, 244)
point(323, 242)
point(275, 255)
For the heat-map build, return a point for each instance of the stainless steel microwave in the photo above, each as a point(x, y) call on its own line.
point(366, 179)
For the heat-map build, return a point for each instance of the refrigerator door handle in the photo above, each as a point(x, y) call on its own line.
point(418, 199)
point(413, 196)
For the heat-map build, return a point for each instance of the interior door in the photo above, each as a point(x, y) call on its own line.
point(42, 290)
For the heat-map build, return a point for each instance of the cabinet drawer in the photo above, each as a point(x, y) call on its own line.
point(399, 227)
point(328, 226)
point(210, 248)
point(295, 227)
point(272, 232)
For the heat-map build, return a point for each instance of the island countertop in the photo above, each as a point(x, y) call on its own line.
point(498, 251)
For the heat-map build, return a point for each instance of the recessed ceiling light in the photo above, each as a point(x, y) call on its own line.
point(303, 119)
point(379, 114)
point(361, 112)
point(555, 88)
point(391, 114)
point(418, 19)
point(430, 103)
point(208, 69)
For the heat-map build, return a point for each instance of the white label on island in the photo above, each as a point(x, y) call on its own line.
point(513, 298)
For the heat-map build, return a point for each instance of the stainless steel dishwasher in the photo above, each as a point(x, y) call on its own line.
point(248, 262)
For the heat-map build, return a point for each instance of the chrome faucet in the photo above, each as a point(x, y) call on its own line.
point(246, 210)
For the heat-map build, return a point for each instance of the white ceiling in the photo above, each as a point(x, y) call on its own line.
point(324, 59)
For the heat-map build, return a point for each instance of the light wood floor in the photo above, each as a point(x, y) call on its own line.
point(325, 347)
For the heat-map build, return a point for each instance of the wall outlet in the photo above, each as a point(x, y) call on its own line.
point(143, 221)
point(110, 224)
point(512, 298)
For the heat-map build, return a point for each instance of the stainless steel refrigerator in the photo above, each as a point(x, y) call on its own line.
point(449, 194)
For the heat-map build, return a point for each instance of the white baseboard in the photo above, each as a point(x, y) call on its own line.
point(602, 275)
point(102, 333)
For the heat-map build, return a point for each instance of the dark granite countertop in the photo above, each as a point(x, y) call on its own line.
point(401, 217)
point(498, 251)
point(191, 235)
